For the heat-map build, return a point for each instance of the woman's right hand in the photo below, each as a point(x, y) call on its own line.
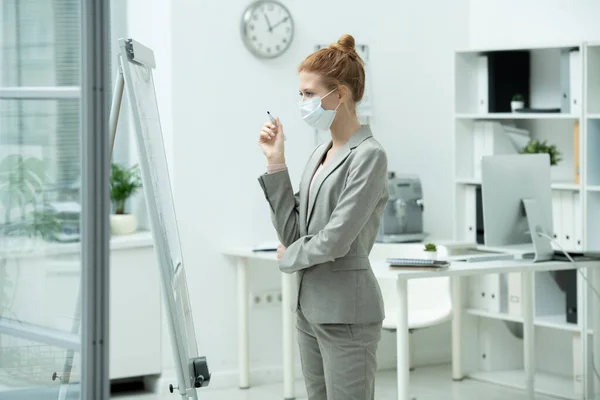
point(270, 140)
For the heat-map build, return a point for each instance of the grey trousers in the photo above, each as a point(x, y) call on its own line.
point(338, 360)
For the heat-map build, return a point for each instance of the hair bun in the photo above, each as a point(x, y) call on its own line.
point(346, 44)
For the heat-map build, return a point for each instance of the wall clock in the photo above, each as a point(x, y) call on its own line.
point(267, 28)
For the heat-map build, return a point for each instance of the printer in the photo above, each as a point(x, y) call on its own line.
point(402, 219)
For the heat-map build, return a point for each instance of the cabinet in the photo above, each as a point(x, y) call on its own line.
point(46, 284)
point(565, 78)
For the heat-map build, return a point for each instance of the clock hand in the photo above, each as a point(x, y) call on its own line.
point(279, 23)
point(268, 23)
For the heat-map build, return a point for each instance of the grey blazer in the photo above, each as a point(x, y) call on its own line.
point(329, 235)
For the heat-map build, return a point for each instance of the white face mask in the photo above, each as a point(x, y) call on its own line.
point(313, 113)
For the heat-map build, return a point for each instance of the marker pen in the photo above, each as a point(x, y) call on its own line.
point(274, 122)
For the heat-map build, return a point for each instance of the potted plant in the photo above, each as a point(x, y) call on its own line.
point(517, 102)
point(536, 146)
point(124, 183)
point(430, 251)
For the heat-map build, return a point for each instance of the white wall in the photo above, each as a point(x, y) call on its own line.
point(510, 23)
point(220, 93)
point(148, 22)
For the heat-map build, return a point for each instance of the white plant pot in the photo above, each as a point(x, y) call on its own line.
point(123, 224)
point(430, 255)
point(516, 105)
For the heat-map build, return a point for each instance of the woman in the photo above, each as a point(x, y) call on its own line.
point(328, 228)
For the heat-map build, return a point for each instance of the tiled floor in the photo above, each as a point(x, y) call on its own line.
point(430, 383)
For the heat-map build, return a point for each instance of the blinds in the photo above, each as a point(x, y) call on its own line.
point(40, 47)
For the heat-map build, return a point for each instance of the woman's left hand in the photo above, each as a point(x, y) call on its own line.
point(280, 250)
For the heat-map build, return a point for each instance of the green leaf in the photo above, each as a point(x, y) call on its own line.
point(124, 183)
point(535, 147)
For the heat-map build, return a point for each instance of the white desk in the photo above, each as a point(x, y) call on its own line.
point(242, 255)
point(457, 271)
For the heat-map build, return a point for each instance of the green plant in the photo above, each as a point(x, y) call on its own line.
point(517, 97)
point(124, 183)
point(22, 181)
point(535, 146)
point(430, 247)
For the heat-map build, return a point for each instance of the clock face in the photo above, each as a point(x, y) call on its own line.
point(267, 28)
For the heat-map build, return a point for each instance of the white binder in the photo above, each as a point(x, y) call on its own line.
point(482, 85)
point(575, 81)
point(577, 223)
point(565, 82)
point(577, 365)
point(556, 218)
point(514, 293)
point(567, 226)
point(470, 233)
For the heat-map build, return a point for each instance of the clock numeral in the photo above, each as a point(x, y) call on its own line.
point(268, 49)
point(277, 48)
point(251, 27)
point(271, 7)
point(260, 45)
point(254, 38)
point(288, 29)
point(284, 40)
point(255, 17)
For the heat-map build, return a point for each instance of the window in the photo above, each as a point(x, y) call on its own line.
point(39, 89)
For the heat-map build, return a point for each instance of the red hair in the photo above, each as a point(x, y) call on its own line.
point(338, 64)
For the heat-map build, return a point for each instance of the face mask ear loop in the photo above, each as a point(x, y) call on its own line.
point(329, 93)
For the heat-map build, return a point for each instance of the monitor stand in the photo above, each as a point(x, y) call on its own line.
point(542, 247)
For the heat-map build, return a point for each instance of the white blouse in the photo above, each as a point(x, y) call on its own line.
point(314, 176)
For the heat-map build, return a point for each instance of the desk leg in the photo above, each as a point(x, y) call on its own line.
point(288, 336)
point(402, 340)
point(243, 326)
point(528, 332)
point(457, 368)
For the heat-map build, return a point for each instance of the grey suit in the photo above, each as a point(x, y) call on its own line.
point(329, 235)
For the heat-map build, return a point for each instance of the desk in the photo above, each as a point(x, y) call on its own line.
point(456, 272)
point(241, 256)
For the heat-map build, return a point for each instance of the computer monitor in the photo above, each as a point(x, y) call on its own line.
point(517, 201)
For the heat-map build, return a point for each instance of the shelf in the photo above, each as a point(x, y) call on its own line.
point(555, 186)
point(556, 322)
point(593, 188)
point(540, 46)
point(547, 321)
point(565, 186)
point(468, 181)
point(494, 315)
point(593, 116)
point(552, 385)
point(517, 116)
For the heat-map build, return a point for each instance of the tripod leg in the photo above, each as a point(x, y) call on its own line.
point(115, 108)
